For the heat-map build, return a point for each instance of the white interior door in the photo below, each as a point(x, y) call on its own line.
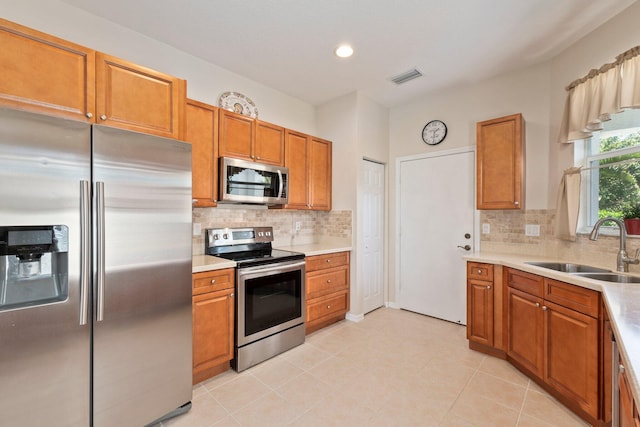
point(436, 212)
point(372, 216)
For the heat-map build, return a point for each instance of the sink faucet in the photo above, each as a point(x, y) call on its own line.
point(623, 260)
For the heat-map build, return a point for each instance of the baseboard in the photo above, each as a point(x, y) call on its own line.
point(355, 317)
point(392, 304)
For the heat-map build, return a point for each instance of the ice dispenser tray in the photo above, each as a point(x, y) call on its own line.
point(34, 265)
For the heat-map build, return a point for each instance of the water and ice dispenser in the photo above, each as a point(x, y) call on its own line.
point(34, 265)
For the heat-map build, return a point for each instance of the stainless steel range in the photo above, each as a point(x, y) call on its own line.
point(270, 303)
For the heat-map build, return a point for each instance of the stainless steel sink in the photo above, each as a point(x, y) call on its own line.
point(567, 267)
point(610, 277)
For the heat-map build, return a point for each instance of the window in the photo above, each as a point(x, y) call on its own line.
point(611, 168)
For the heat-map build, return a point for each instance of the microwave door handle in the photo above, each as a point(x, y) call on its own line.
point(281, 187)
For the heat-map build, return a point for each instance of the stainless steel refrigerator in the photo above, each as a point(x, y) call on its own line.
point(95, 274)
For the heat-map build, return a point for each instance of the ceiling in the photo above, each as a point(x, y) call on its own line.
point(288, 44)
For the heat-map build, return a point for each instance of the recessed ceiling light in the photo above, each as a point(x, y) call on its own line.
point(344, 51)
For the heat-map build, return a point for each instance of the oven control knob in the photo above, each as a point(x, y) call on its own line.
point(260, 234)
point(268, 233)
point(225, 236)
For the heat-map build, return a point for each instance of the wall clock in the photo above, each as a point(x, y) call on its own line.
point(434, 132)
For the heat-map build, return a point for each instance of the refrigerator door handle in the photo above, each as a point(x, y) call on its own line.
point(85, 250)
point(100, 249)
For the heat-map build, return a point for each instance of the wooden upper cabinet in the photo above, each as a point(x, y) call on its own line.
point(236, 133)
point(242, 137)
point(133, 97)
point(269, 143)
point(501, 163)
point(297, 162)
point(202, 132)
point(319, 160)
point(45, 74)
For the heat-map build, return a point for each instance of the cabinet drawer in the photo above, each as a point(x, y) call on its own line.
point(210, 281)
point(526, 282)
point(480, 271)
point(320, 262)
point(327, 306)
point(585, 301)
point(327, 281)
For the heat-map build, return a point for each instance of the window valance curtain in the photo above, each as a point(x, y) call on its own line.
point(605, 91)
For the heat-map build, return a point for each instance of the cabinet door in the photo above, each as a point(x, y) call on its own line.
point(212, 329)
point(296, 160)
point(235, 135)
point(525, 330)
point(625, 401)
point(319, 174)
point(480, 312)
point(500, 163)
point(45, 74)
point(269, 144)
point(202, 132)
point(133, 97)
point(571, 355)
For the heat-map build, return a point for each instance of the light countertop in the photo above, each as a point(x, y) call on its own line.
point(202, 263)
point(622, 301)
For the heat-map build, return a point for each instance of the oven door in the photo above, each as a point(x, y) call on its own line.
point(270, 299)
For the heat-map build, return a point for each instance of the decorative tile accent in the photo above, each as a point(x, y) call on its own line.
point(314, 224)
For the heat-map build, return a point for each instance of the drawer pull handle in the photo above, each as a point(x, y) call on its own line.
point(213, 281)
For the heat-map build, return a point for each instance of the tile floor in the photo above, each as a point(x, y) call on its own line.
point(395, 368)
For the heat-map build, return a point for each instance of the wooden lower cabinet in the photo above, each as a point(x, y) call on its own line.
point(556, 335)
point(571, 355)
point(525, 330)
point(627, 407)
point(213, 320)
point(326, 289)
point(485, 315)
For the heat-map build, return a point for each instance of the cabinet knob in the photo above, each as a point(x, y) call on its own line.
point(103, 117)
point(488, 286)
point(621, 368)
point(479, 271)
point(89, 115)
point(544, 308)
point(537, 304)
point(516, 203)
point(328, 307)
point(328, 280)
point(257, 157)
point(213, 281)
point(232, 295)
point(328, 260)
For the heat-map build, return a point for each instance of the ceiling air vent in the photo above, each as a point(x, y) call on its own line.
point(406, 76)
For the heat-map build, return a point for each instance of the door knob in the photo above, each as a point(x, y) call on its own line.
point(465, 247)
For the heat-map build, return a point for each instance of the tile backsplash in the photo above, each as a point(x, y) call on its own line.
point(314, 225)
point(507, 235)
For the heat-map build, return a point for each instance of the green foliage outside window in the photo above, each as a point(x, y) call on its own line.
point(619, 184)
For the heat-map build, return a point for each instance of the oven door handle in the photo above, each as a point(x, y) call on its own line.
point(284, 267)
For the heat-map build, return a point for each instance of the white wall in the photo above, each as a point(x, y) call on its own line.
point(205, 81)
point(359, 128)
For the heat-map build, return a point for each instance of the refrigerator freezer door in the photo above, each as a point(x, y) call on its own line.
point(142, 337)
point(44, 349)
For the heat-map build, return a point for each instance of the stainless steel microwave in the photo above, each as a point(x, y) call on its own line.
point(242, 181)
